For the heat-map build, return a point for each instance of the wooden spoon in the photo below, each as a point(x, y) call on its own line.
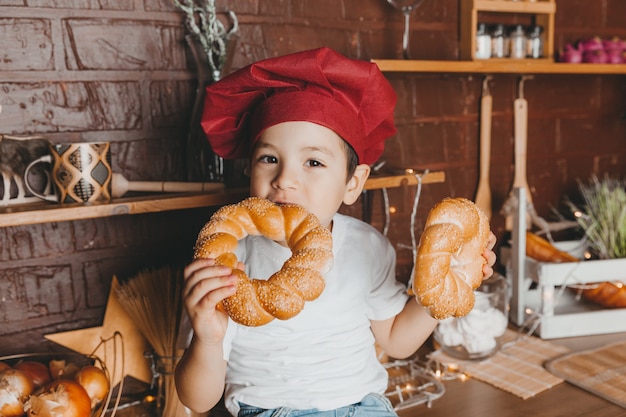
point(483, 192)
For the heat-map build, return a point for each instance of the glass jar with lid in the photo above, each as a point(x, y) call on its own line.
point(499, 41)
point(517, 38)
point(483, 42)
point(534, 42)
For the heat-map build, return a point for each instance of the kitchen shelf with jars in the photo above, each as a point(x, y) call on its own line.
point(45, 212)
point(534, 40)
point(489, 46)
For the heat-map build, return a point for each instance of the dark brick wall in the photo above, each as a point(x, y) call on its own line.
point(119, 70)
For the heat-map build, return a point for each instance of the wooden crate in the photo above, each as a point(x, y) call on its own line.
point(540, 294)
point(542, 11)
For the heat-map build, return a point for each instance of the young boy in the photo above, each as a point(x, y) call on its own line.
point(311, 123)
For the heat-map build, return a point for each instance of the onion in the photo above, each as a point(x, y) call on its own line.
point(595, 57)
point(614, 43)
point(62, 369)
point(572, 54)
point(592, 44)
point(36, 371)
point(59, 398)
point(615, 56)
point(15, 387)
point(95, 382)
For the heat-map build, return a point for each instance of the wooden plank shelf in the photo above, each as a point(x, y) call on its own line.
point(408, 178)
point(498, 66)
point(44, 212)
point(51, 212)
point(499, 6)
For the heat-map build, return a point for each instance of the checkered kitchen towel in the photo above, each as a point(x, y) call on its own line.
point(518, 368)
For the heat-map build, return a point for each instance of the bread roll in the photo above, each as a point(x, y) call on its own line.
point(257, 301)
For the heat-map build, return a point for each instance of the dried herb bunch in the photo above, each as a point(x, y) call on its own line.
point(602, 216)
point(202, 21)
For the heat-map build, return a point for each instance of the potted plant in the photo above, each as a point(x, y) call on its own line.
point(602, 217)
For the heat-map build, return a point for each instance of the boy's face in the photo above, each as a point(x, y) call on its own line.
point(302, 163)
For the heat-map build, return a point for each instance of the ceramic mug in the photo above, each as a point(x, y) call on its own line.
point(81, 172)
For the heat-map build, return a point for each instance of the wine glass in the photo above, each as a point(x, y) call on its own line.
point(406, 7)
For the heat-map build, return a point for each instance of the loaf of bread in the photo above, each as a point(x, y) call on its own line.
point(449, 262)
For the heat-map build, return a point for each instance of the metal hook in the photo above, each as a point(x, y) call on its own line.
point(486, 91)
point(520, 85)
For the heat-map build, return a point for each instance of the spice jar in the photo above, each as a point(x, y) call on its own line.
point(499, 42)
point(478, 334)
point(483, 42)
point(534, 43)
point(518, 42)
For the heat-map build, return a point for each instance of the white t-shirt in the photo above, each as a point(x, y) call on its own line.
point(324, 357)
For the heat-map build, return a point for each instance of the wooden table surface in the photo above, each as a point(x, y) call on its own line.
point(473, 398)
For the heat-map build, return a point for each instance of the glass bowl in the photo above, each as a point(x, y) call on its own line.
point(478, 334)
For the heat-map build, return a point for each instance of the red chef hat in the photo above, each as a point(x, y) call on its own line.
point(351, 97)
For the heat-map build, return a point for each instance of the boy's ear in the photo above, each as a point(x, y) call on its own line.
point(355, 184)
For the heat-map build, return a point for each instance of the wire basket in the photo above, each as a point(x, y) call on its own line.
point(71, 359)
point(411, 385)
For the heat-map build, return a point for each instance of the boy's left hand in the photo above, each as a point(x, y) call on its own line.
point(490, 256)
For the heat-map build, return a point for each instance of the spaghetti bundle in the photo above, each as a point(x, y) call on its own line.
point(153, 300)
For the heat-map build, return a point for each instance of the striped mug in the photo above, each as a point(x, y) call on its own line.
point(81, 172)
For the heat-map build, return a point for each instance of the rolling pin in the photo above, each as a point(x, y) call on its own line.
point(120, 186)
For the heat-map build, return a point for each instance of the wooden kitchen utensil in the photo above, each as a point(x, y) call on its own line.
point(520, 111)
point(120, 186)
point(483, 191)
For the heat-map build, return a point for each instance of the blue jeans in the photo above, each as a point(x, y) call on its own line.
point(372, 405)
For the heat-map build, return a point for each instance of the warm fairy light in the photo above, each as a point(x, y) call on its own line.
point(392, 209)
point(463, 377)
point(438, 373)
point(578, 214)
point(453, 367)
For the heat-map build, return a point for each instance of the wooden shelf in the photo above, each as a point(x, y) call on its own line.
point(52, 212)
point(499, 6)
point(394, 181)
point(498, 66)
point(38, 213)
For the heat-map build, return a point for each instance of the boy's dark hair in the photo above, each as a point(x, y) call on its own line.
point(352, 159)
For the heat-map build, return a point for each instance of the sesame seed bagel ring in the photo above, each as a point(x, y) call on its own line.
point(449, 261)
point(258, 301)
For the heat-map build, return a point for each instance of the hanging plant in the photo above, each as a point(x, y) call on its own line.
point(202, 21)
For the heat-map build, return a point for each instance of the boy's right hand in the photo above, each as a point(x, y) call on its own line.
point(206, 284)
